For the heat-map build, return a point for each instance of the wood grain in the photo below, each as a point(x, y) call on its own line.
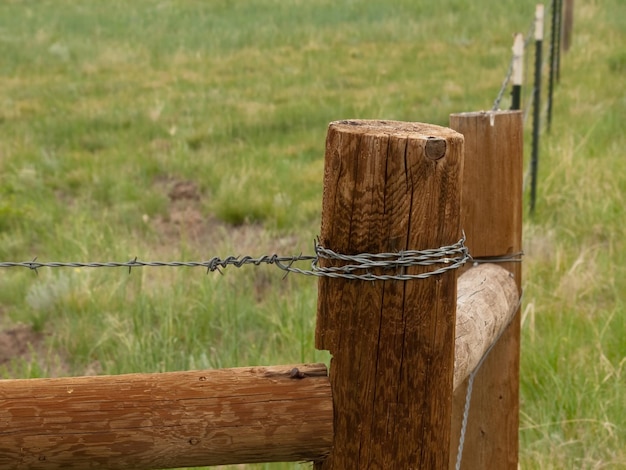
point(487, 300)
point(392, 341)
point(177, 419)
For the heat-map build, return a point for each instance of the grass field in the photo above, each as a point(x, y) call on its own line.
point(184, 130)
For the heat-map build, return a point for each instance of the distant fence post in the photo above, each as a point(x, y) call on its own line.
point(554, 30)
point(518, 71)
point(390, 186)
point(491, 217)
point(559, 35)
point(534, 158)
point(568, 24)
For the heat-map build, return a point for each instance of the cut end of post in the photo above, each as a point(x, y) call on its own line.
point(435, 137)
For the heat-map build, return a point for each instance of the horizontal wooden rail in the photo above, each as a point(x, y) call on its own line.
point(210, 417)
point(487, 300)
point(168, 420)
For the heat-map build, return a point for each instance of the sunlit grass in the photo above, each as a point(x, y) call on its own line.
point(573, 352)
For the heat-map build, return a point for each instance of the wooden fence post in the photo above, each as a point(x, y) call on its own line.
point(492, 221)
point(390, 186)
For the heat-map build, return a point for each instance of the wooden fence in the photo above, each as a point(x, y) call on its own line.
point(402, 350)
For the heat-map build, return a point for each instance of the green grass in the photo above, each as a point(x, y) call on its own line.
point(573, 350)
point(105, 106)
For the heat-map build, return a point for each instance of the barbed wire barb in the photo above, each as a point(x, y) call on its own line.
point(34, 268)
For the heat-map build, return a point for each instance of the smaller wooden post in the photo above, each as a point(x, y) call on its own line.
point(390, 186)
point(492, 220)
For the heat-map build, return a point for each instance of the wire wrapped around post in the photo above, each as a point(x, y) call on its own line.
point(390, 187)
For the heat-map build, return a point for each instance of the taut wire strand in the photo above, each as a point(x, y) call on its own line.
point(509, 73)
point(356, 267)
point(505, 82)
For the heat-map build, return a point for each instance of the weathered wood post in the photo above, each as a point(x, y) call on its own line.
point(491, 217)
point(390, 186)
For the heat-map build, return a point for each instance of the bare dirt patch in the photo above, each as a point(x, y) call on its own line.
point(21, 346)
point(186, 221)
point(18, 342)
point(204, 236)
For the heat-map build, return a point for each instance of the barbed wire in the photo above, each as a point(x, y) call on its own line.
point(362, 266)
point(213, 264)
point(505, 83)
point(529, 33)
point(509, 72)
